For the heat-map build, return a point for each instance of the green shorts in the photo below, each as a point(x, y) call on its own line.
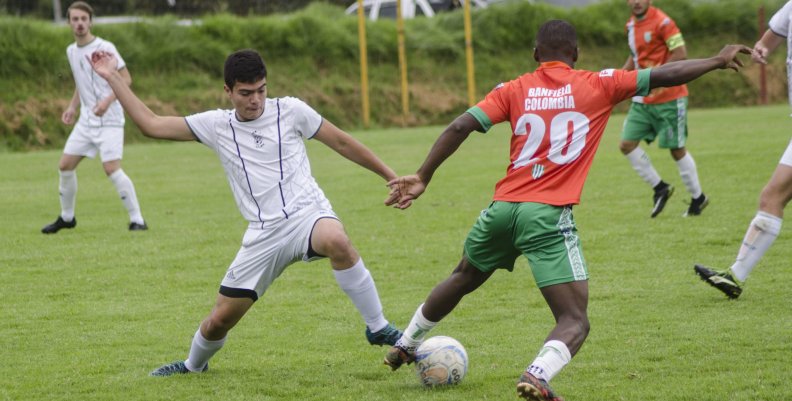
point(666, 122)
point(545, 234)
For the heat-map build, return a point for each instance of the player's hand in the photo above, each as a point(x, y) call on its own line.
point(68, 116)
point(404, 190)
point(101, 107)
point(104, 63)
point(760, 53)
point(729, 56)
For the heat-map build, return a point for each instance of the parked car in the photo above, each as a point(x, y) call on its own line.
point(410, 8)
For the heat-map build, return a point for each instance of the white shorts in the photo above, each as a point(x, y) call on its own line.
point(86, 141)
point(786, 158)
point(265, 254)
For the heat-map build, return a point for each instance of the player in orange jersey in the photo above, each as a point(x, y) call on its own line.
point(661, 115)
point(557, 116)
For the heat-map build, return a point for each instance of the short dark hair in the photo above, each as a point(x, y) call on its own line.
point(558, 35)
point(80, 5)
point(244, 66)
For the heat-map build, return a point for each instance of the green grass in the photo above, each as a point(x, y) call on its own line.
point(87, 313)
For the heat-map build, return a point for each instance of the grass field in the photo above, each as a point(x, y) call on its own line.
point(87, 313)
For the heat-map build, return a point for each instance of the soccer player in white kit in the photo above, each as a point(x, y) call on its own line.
point(766, 225)
point(100, 127)
point(260, 144)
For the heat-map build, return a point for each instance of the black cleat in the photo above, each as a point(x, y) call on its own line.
point(660, 198)
point(723, 281)
point(697, 205)
point(175, 368)
point(137, 226)
point(534, 389)
point(386, 336)
point(58, 224)
point(398, 355)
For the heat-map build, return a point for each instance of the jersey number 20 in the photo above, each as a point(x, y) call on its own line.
point(560, 140)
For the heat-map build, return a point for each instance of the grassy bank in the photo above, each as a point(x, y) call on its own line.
point(313, 54)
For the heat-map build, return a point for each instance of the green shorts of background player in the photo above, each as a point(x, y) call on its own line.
point(666, 123)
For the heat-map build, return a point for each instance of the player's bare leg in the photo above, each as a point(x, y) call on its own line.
point(778, 192)
point(210, 336)
point(569, 303)
point(329, 239)
point(443, 298)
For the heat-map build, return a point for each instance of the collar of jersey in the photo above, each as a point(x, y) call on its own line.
point(554, 64)
point(87, 44)
point(237, 120)
point(649, 12)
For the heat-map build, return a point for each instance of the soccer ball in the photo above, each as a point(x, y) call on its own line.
point(441, 360)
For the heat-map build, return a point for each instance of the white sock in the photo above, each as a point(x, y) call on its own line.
point(67, 187)
point(689, 174)
point(643, 166)
point(126, 190)
point(359, 287)
point(553, 356)
point(416, 331)
point(201, 351)
point(761, 233)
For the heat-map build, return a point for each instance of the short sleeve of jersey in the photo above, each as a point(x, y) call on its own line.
point(779, 23)
point(109, 47)
point(494, 108)
point(622, 84)
point(306, 120)
point(670, 33)
point(203, 126)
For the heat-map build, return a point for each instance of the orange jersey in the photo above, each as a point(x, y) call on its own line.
point(651, 40)
point(557, 117)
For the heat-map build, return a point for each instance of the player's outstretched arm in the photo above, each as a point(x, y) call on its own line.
point(446, 144)
point(766, 44)
point(680, 72)
point(101, 106)
point(68, 115)
point(405, 189)
point(349, 147)
point(174, 128)
point(629, 65)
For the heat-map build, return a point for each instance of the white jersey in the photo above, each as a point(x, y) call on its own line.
point(265, 159)
point(91, 87)
point(781, 25)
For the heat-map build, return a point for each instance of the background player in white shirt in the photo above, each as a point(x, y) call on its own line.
point(260, 145)
point(100, 126)
point(766, 225)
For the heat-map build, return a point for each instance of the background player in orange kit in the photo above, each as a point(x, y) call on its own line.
point(661, 115)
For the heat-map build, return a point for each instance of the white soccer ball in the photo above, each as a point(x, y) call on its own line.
point(441, 360)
